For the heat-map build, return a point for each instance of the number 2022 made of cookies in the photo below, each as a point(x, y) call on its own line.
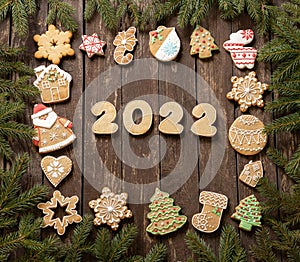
point(172, 113)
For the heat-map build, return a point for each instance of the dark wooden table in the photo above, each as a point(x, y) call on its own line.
point(101, 164)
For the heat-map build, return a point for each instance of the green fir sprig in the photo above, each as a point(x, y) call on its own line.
point(15, 207)
point(63, 12)
point(230, 248)
point(22, 10)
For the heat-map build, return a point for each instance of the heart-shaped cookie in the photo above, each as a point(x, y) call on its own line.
point(56, 169)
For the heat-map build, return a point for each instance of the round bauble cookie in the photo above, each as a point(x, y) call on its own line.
point(246, 135)
point(164, 43)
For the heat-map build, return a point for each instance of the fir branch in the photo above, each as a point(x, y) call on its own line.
point(293, 167)
point(185, 12)
point(230, 9)
point(199, 247)
point(102, 245)
point(79, 244)
point(289, 87)
point(283, 104)
point(277, 157)
point(230, 246)
point(263, 248)
point(202, 9)
point(157, 253)
point(20, 10)
point(106, 11)
point(134, 13)
point(121, 242)
point(287, 241)
point(287, 123)
point(64, 12)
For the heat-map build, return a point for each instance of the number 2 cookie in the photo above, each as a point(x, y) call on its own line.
point(164, 43)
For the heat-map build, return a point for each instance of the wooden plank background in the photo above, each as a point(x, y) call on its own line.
point(216, 71)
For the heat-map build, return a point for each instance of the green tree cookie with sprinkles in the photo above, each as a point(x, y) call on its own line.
point(248, 212)
point(202, 43)
point(164, 215)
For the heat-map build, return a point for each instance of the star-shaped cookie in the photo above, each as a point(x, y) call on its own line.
point(69, 203)
point(247, 91)
point(92, 45)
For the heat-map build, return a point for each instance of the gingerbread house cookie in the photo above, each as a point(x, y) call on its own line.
point(53, 82)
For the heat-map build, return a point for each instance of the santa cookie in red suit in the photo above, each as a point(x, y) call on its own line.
point(52, 132)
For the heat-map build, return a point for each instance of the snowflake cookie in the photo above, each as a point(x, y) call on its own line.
point(247, 91)
point(69, 203)
point(56, 169)
point(53, 44)
point(110, 208)
point(92, 45)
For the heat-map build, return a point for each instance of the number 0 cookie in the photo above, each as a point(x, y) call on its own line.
point(246, 135)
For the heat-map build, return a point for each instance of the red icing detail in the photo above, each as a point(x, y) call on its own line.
point(196, 34)
point(201, 30)
point(234, 55)
point(212, 46)
point(197, 49)
point(203, 41)
point(254, 55)
point(244, 55)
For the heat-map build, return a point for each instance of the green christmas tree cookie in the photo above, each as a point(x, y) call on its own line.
point(164, 215)
point(248, 212)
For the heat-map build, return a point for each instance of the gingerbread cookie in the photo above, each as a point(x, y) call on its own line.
point(125, 41)
point(248, 212)
point(202, 43)
point(247, 91)
point(53, 44)
point(69, 203)
point(56, 169)
point(243, 57)
point(164, 43)
point(53, 83)
point(246, 135)
point(92, 45)
point(110, 208)
point(209, 219)
point(164, 215)
point(252, 172)
point(52, 132)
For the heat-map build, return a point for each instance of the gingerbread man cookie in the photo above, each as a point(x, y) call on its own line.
point(247, 91)
point(49, 218)
point(246, 135)
point(53, 44)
